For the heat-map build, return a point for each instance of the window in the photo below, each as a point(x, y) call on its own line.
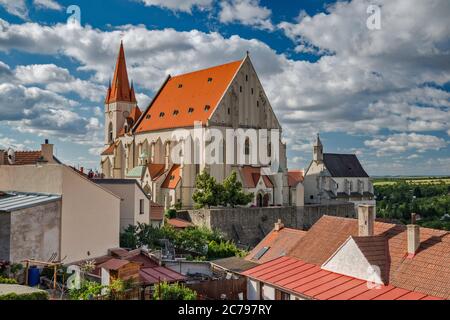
point(281, 295)
point(269, 150)
point(229, 111)
point(210, 79)
point(240, 88)
point(110, 132)
point(191, 110)
point(141, 206)
point(180, 86)
point(257, 104)
point(311, 197)
point(162, 114)
point(148, 116)
point(246, 77)
point(176, 112)
point(260, 253)
point(252, 90)
point(247, 146)
point(207, 107)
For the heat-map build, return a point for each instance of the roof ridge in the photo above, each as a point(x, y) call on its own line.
point(204, 69)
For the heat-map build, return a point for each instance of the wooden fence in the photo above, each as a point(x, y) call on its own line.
point(221, 289)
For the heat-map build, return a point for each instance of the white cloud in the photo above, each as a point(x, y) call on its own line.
point(59, 80)
point(47, 4)
point(246, 12)
point(177, 5)
point(361, 87)
point(16, 7)
point(402, 142)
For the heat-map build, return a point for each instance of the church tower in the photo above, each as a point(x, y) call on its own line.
point(318, 150)
point(120, 100)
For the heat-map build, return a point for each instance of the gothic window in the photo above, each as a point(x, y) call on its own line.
point(247, 146)
point(269, 150)
point(110, 133)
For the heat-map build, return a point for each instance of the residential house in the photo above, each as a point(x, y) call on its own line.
point(90, 214)
point(342, 258)
point(30, 226)
point(135, 206)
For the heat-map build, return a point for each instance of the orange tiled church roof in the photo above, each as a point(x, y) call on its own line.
point(187, 98)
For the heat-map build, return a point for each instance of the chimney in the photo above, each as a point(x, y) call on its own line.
point(413, 236)
point(279, 225)
point(366, 220)
point(47, 151)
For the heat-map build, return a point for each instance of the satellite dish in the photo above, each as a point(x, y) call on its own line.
point(126, 114)
point(11, 156)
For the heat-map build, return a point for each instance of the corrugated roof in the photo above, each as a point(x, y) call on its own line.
point(344, 165)
point(14, 201)
point(309, 280)
point(160, 274)
point(187, 98)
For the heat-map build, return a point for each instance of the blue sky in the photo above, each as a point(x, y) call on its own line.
point(382, 94)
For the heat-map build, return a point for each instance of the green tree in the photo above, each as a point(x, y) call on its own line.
point(233, 194)
point(165, 291)
point(208, 192)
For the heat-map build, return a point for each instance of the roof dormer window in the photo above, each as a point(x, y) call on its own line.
point(162, 114)
point(176, 112)
point(191, 110)
point(210, 79)
point(148, 116)
point(207, 107)
point(180, 86)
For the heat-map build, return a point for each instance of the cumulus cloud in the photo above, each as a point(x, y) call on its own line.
point(246, 12)
point(59, 80)
point(403, 142)
point(47, 4)
point(15, 7)
point(365, 83)
point(176, 5)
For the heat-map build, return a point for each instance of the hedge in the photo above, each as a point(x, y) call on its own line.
point(4, 280)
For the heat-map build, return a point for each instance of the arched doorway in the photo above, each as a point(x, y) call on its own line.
point(259, 200)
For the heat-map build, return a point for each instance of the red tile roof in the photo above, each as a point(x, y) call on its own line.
point(120, 89)
point(155, 170)
point(295, 177)
point(113, 264)
point(279, 243)
point(156, 211)
point(310, 281)
point(173, 177)
point(428, 271)
point(251, 175)
point(187, 98)
point(109, 150)
point(179, 223)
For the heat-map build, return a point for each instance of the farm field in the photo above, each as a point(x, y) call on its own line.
point(427, 180)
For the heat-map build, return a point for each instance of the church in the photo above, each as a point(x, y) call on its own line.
point(332, 176)
point(139, 144)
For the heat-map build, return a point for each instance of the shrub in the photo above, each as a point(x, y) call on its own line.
point(165, 291)
point(7, 280)
point(41, 295)
point(88, 290)
point(171, 213)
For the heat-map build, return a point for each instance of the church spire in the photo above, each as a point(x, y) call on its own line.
point(318, 150)
point(120, 90)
